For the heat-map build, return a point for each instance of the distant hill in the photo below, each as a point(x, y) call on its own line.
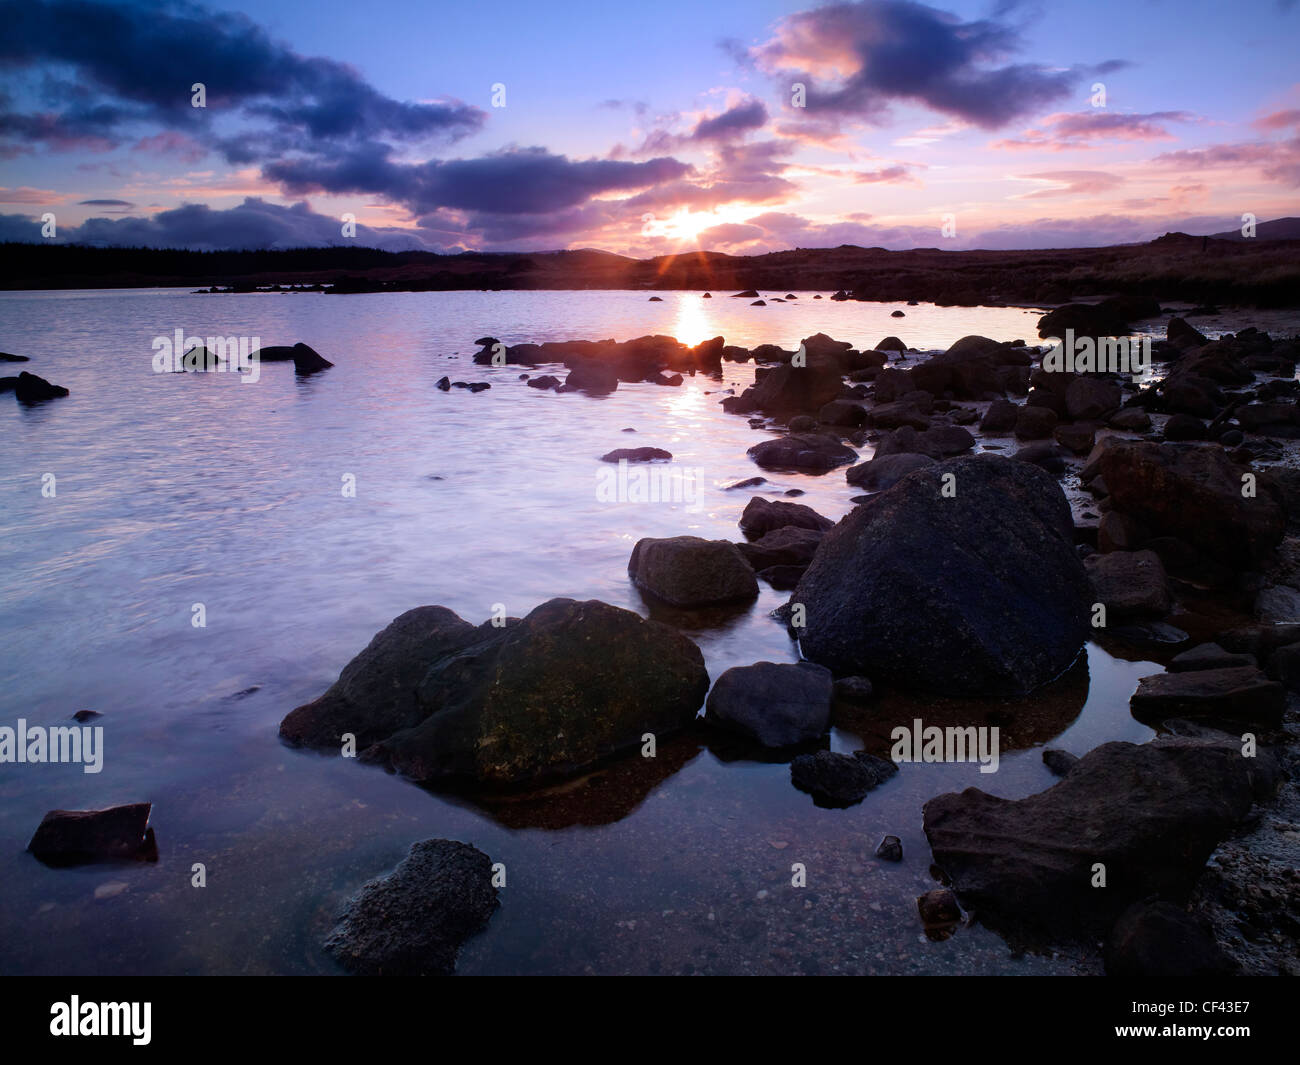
point(1277, 229)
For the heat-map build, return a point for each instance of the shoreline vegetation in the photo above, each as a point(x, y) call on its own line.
point(1257, 272)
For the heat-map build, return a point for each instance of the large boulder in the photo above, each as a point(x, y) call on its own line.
point(1193, 492)
point(962, 578)
point(793, 389)
point(776, 704)
point(688, 571)
point(503, 704)
point(413, 921)
point(1159, 939)
point(1151, 814)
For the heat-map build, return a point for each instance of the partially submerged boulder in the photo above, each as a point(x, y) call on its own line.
point(413, 921)
point(688, 571)
point(78, 837)
point(761, 516)
point(548, 696)
point(1229, 695)
point(962, 578)
point(836, 781)
point(1151, 814)
point(776, 704)
point(802, 451)
point(515, 703)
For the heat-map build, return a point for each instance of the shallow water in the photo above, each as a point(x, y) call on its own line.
point(180, 489)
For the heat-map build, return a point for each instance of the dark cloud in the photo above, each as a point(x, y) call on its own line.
point(858, 58)
point(517, 181)
point(734, 122)
point(252, 224)
point(142, 60)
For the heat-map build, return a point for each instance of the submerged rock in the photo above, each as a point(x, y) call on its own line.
point(973, 590)
point(77, 837)
point(413, 921)
point(777, 704)
point(688, 571)
point(1151, 814)
point(837, 781)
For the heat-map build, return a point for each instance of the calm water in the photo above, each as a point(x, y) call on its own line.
point(180, 489)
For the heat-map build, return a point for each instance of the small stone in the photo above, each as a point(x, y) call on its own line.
point(890, 849)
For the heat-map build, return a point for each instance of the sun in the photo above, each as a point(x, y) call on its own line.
point(685, 226)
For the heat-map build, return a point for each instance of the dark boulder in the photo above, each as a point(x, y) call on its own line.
point(761, 516)
point(77, 837)
point(637, 454)
point(29, 388)
point(1159, 939)
point(776, 704)
point(885, 471)
point(786, 546)
point(802, 451)
point(1235, 695)
point(1151, 814)
point(688, 571)
point(977, 591)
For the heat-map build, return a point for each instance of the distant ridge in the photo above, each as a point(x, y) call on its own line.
point(1277, 229)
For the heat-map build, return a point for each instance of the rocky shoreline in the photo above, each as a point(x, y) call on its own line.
point(1009, 513)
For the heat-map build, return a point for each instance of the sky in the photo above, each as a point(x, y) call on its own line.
point(645, 129)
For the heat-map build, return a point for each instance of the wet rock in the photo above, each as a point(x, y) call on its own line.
point(1150, 813)
point(1192, 492)
point(783, 578)
point(1091, 398)
point(1000, 418)
point(749, 294)
point(1059, 762)
point(413, 921)
point(897, 414)
point(777, 704)
point(545, 381)
point(444, 384)
point(1132, 420)
point(375, 695)
point(1184, 427)
point(1116, 532)
point(1034, 423)
point(748, 482)
point(688, 571)
point(890, 849)
point(938, 907)
point(939, 594)
point(1208, 656)
point(939, 441)
point(594, 378)
point(1078, 438)
point(1130, 583)
point(1159, 939)
point(885, 471)
point(78, 837)
point(6, 357)
point(1284, 666)
point(307, 360)
point(802, 451)
point(790, 389)
point(789, 545)
point(1183, 336)
point(1043, 454)
point(86, 715)
point(761, 516)
point(29, 388)
point(898, 314)
point(842, 412)
point(891, 343)
point(637, 454)
point(837, 781)
point(546, 697)
point(1235, 695)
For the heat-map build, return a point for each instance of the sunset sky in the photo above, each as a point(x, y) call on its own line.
point(646, 128)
